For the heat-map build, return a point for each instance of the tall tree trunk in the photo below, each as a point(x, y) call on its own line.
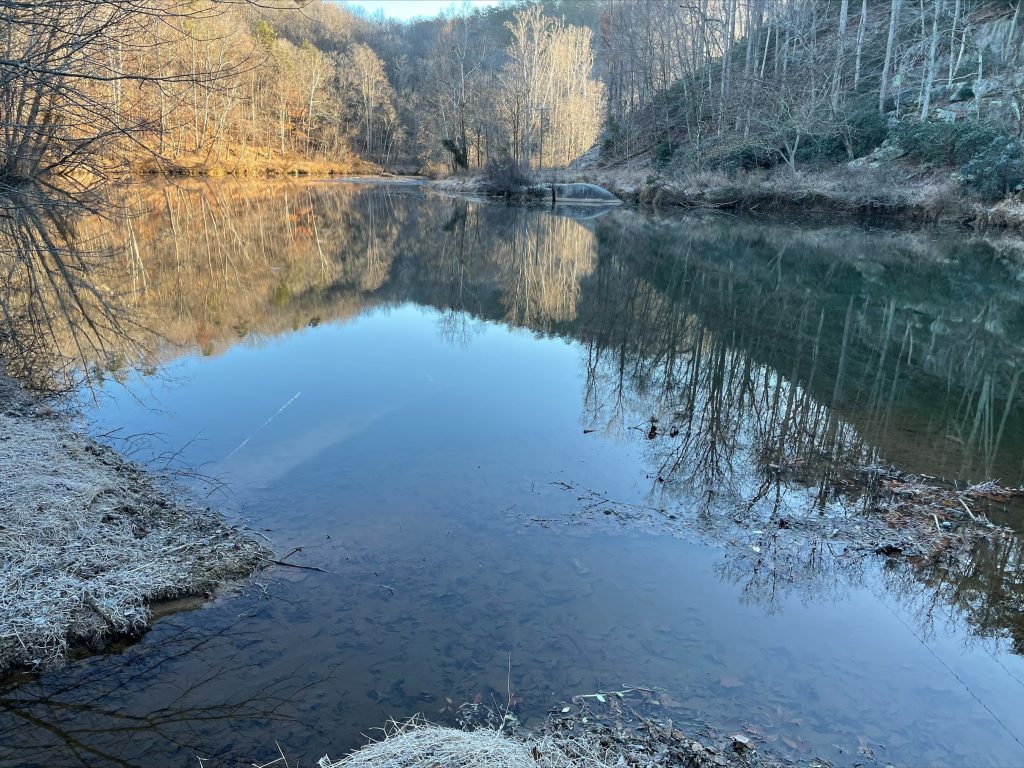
point(952, 42)
point(844, 13)
point(929, 77)
point(861, 25)
point(977, 84)
point(894, 16)
point(730, 26)
point(764, 56)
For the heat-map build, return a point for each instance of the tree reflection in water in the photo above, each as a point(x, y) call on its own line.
point(754, 346)
point(55, 306)
point(88, 714)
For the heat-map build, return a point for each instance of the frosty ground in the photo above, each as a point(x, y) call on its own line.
point(90, 541)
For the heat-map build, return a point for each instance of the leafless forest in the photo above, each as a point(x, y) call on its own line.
point(88, 88)
point(91, 91)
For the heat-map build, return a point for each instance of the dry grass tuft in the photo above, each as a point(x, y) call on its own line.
point(420, 744)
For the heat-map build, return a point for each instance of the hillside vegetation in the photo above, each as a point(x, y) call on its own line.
point(287, 86)
point(904, 105)
point(893, 105)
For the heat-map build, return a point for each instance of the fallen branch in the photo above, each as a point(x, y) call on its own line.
point(300, 567)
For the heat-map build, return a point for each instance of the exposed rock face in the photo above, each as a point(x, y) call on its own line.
point(887, 152)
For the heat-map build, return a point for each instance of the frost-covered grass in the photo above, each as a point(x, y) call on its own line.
point(421, 744)
point(88, 540)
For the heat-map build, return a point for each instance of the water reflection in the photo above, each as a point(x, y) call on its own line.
point(753, 344)
point(904, 344)
point(108, 710)
point(55, 305)
point(719, 351)
point(913, 339)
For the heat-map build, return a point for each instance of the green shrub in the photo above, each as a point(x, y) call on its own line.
point(664, 153)
point(998, 169)
point(945, 143)
point(865, 128)
point(821, 149)
point(744, 157)
point(860, 129)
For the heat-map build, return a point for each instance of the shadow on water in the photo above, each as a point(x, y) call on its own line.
point(696, 355)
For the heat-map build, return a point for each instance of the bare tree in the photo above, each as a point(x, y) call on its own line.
point(547, 81)
point(894, 18)
point(76, 75)
point(372, 99)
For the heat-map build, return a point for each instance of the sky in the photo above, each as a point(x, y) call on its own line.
point(409, 9)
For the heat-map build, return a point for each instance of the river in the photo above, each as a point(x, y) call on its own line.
point(533, 454)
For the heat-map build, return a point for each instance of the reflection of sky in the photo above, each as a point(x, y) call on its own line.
point(406, 460)
point(392, 367)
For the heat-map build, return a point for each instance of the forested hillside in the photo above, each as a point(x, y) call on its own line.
point(675, 88)
point(746, 84)
point(287, 85)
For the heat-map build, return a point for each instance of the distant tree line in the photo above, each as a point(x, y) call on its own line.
point(738, 84)
point(90, 87)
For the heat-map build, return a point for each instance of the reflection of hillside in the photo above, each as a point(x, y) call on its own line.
point(208, 264)
point(748, 363)
point(756, 331)
point(213, 263)
point(719, 415)
point(914, 339)
point(754, 345)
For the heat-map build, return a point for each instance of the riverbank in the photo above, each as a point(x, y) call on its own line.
point(253, 164)
point(90, 541)
point(616, 728)
point(897, 194)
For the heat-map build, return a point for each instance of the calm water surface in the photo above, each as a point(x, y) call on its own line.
point(448, 408)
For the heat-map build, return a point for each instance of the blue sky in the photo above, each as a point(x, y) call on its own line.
point(408, 9)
